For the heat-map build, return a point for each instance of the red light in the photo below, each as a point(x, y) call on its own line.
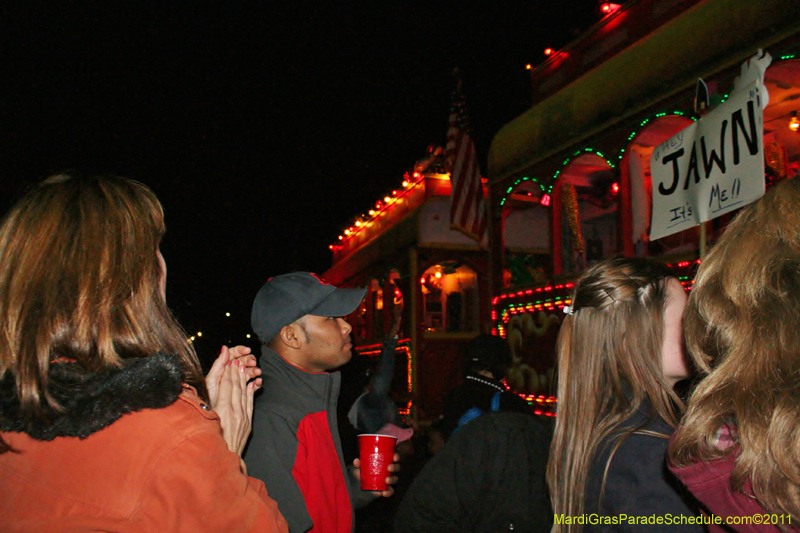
point(609, 8)
point(548, 51)
point(416, 174)
point(615, 188)
point(545, 200)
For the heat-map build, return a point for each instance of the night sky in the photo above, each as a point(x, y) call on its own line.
point(264, 128)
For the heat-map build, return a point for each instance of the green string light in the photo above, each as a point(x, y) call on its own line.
point(643, 123)
point(545, 188)
point(578, 153)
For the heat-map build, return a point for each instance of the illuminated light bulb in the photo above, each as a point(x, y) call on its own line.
point(227, 314)
point(609, 8)
point(548, 51)
point(330, 246)
point(615, 188)
point(341, 238)
point(422, 280)
point(358, 223)
point(794, 124)
point(394, 193)
point(438, 274)
point(405, 183)
point(528, 67)
point(416, 175)
point(387, 199)
point(371, 212)
point(248, 335)
point(199, 333)
point(192, 338)
point(346, 232)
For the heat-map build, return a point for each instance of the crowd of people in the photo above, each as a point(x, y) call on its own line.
point(107, 422)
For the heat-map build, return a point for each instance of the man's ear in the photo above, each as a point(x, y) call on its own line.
point(288, 336)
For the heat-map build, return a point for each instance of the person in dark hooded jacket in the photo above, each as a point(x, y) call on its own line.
point(489, 477)
point(486, 362)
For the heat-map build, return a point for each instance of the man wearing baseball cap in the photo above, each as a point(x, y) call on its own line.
point(295, 447)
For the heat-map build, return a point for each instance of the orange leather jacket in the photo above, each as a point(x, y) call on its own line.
point(164, 469)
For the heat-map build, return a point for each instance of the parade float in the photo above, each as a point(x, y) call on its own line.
point(570, 182)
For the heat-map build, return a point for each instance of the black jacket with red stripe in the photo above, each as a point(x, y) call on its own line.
point(295, 448)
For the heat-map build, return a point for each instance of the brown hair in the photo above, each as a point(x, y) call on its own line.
point(741, 329)
point(79, 281)
point(609, 365)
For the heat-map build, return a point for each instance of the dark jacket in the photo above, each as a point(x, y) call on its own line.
point(638, 482)
point(478, 391)
point(295, 448)
point(133, 450)
point(375, 408)
point(489, 476)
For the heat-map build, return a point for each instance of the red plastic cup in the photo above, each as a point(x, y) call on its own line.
point(376, 453)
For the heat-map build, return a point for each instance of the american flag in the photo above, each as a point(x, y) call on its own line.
point(467, 207)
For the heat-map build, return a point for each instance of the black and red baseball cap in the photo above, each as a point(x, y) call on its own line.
point(283, 299)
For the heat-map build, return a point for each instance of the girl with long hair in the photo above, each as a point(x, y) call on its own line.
point(106, 422)
point(620, 353)
point(737, 447)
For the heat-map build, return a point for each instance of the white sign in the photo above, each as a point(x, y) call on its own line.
point(711, 167)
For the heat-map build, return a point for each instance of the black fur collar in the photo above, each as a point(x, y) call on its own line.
point(93, 401)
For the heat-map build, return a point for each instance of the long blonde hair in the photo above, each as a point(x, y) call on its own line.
point(741, 327)
point(79, 281)
point(609, 365)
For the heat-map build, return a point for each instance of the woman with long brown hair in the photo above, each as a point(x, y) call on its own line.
point(619, 356)
point(737, 448)
point(106, 422)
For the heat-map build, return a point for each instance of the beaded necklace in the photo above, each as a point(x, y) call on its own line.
point(486, 382)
